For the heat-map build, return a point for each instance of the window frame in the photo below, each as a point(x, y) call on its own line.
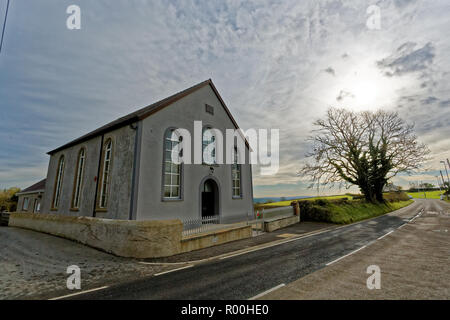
point(25, 207)
point(58, 183)
point(100, 207)
point(78, 180)
point(163, 175)
point(37, 206)
point(238, 167)
point(208, 127)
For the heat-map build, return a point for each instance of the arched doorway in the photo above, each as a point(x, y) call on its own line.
point(209, 198)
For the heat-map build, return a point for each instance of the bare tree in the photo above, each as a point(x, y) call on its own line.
point(365, 149)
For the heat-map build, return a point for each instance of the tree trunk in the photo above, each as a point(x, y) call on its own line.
point(378, 191)
point(379, 196)
point(368, 195)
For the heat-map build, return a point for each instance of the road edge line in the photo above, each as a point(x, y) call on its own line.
point(269, 244)
point(78, 293)
point(173, 270)
point(262, 294)
point(348, 254)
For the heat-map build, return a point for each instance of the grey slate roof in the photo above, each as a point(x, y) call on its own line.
point(143, 113)
point(40, 186)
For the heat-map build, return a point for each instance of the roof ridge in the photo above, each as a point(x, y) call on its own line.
point(35, 187)
point(135, 115)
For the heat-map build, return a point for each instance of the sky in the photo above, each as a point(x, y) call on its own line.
point(277, 65)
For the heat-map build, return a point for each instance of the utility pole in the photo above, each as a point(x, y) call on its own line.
point(4, 26)
point(443, 181)
point(445, 166)
point(439, 184)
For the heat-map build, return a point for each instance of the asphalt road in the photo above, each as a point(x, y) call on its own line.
point(413, 262)
point(247, 275)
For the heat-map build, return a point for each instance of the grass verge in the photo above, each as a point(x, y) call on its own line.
point(349, 212)
point(426, 194)
point(287, 203)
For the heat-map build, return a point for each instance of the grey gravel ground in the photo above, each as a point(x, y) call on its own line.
point(33, 265)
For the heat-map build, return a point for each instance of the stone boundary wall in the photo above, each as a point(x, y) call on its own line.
point(133, 239)
point(271, 225)
point(214, 238)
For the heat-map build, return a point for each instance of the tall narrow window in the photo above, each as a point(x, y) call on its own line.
point(25, 204)
point(58, 183)
point(106, 175)
point(172, 170)
point(78, 182)
point(37, 206)
point(209, 146)
point(236, 176)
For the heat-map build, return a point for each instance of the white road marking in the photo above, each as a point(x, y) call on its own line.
point(371, 243)
point(385, 235)
point(165, 272)
point(241, 253)
point(268, 291)
point(279, 243)
point(416, 216)
point(226, 256)
point(264, 246)
point(163, 263)
point(78, 293)
point(329, 263)
point(244, 251)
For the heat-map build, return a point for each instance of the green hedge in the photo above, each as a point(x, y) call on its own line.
point(342, 211)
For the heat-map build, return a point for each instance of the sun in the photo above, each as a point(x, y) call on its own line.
point(364, 87)
point(365, 93)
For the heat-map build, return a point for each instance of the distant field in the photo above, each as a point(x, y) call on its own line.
point(427, 195)
point(415, 195)
point(345, 212)
point(288, 202)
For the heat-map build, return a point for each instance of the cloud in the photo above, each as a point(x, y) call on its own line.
point(330, 70)
point(429, 100)
point(403, 3)
point(343, 95)
point(445, 103)
point(406, 59)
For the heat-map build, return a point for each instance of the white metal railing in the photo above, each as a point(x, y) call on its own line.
point(256, 220)
point(193, 226)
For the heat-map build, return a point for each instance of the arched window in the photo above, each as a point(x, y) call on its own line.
point(209, 141)
point(25, 204)
point(106, 175)
point(172, 169)
point(78, 182)
point(58, 183)
point(236, 176)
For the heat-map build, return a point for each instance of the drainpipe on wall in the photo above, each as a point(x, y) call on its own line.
point(136, 160)
point(98, 175)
